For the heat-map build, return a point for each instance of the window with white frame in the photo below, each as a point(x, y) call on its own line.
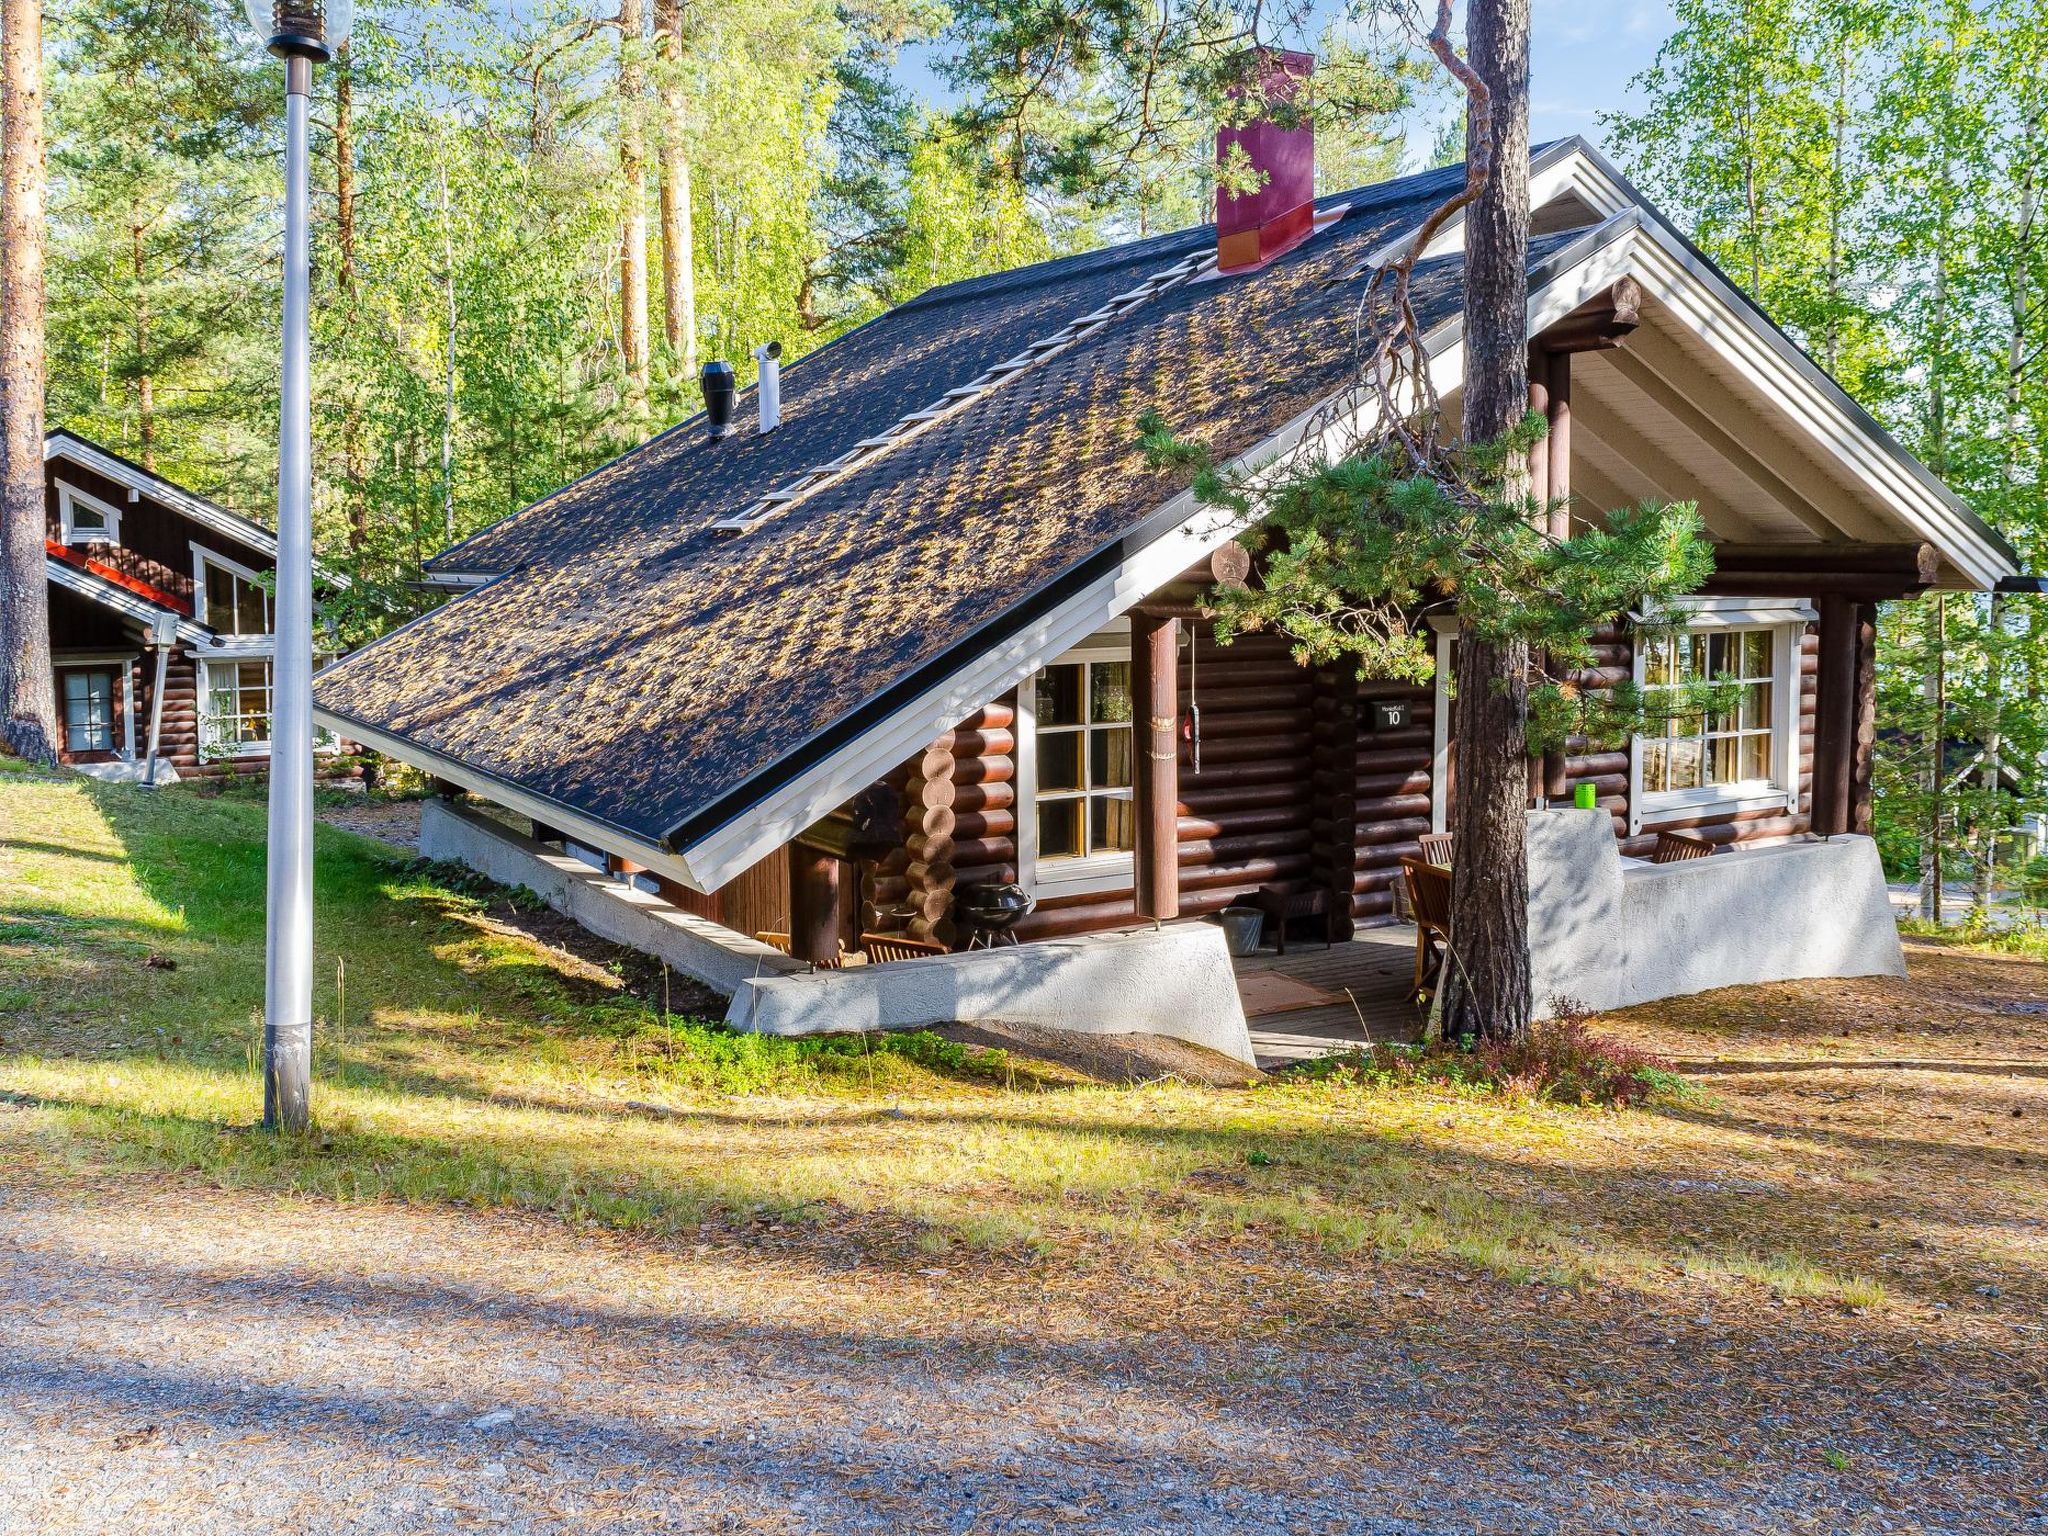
point(88, 710)
point(1695, 762)
point(84, 518)
point(1077, 750)
point(237, 718)
point(232, 598)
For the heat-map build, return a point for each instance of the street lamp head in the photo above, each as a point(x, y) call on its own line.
point(310, 29)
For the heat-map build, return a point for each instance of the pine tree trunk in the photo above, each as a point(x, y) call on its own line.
point(678, 276)
point(633, 197)
point(1486, 988)
point(27, 690)
point(145, 385)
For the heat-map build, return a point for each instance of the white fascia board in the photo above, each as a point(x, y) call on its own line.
point(1703, 302)
point(1567, 170)
point(132, 605)
point(584, 829)
point(229, 525)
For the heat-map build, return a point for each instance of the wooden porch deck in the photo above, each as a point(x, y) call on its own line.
point(1309, 1002)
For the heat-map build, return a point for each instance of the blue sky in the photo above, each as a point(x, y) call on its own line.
point(1583, 53)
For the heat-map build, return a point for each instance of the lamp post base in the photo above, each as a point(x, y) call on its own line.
point(287, 1076)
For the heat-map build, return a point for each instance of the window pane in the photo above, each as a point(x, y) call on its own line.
point(1110, 692)
point(1724, 760)
point(1059, 696)
point(1059, 761)
point(1656, 766)
point(1112, 825)
point(1656, 662)
point(1686, 761)
point(1756, 707)
point(220, 597)
point(1756, 653)
point(1756, 756)
point(1109, 758)
point(1059, 828)
point(89, 711)
point(1721, 655)
point(251, 609)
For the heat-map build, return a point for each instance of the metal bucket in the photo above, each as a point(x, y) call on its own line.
point(1242, 927)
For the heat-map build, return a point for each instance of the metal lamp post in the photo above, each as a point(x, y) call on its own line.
point(301, 32)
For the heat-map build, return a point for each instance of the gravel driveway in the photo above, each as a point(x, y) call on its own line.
point(192, 1360)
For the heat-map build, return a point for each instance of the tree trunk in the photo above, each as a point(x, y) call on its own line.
point(1486, 988)
point(145, 385)
point(678, 276)
point(633, 196)
point(27, 691)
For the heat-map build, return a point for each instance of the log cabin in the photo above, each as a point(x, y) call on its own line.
point(160, 622)
point(934, 622)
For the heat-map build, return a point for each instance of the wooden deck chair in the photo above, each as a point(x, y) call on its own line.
point(881, 948)
point(1676, 848)
point(774, 941)
point(1429, 903)
point(1436, 849)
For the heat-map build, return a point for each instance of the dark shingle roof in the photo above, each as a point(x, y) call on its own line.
point(652, 674)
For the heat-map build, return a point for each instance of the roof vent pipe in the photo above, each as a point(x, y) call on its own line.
point(768, 388)
point(717, 383)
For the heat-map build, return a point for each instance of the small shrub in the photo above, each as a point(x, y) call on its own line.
point(1561, 1061)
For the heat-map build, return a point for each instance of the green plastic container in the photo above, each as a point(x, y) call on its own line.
point(1585, 797)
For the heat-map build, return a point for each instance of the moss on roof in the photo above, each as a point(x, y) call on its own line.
point(640, 668)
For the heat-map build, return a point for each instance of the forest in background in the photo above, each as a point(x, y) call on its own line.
point(531, 226)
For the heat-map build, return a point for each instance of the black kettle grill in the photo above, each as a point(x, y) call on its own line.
point(990, 912)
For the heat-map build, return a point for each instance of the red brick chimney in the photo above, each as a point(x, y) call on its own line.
point(1254, 228)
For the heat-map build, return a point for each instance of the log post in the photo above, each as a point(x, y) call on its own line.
point(1834, 733)
point(1864, 733)
point(1334, 778)
point(1558, 479)
point(1559, 443)
point(815, 895)
point(1539, 402)
point(1155, 713)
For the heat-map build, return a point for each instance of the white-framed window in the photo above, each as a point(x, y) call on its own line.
point(96, 701)
point(1076, 750)
point(85, 519)
point(88, 709)
point(229, 597)
point(236, 721)
point(1745, 758)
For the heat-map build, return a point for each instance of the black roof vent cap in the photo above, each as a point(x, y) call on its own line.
point(718, 386)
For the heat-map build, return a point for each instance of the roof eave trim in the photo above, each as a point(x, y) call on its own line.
point(583, 827)
point(97, 589)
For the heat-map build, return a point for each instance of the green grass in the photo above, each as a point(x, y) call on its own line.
point(458, 1062)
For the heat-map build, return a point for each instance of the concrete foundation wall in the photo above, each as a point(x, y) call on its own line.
point(696, 946)
point(1609, 934)
point(1176, 981)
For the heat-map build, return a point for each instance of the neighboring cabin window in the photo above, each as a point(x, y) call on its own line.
point(85, 519)
point(1079, 716)
point(1694, 762)
point(231, 599)
point(89, 711)
point(237, 708)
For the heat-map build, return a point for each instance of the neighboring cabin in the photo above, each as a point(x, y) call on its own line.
point(946, 586)
point(160, 621)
